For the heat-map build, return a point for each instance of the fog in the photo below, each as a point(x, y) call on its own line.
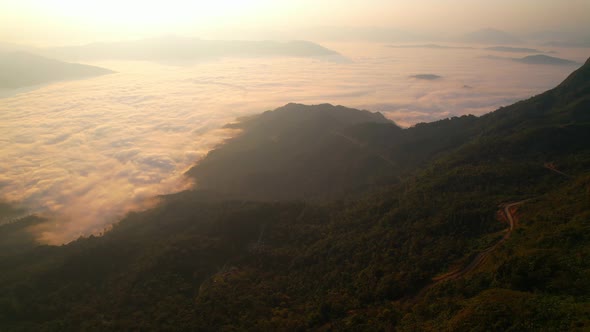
point(84, 153)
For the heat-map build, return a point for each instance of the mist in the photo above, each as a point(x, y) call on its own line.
point(104, 105)
point(85, 153)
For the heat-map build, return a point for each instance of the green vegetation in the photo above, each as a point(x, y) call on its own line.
point(326, 218)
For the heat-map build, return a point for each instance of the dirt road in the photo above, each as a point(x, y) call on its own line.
point(508, 211)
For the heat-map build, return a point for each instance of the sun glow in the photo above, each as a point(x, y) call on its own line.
point(147, 12)
point(72, 21)
point(64, 22)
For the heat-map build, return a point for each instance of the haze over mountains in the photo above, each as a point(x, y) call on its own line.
point(538, 59)
point(545, 60)
point(22, 66)
point(176, 48)
point(20, 69)
point(134, 125)
point(180, 50)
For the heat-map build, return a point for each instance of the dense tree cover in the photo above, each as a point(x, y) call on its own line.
point(425, 202)
point(300, 149)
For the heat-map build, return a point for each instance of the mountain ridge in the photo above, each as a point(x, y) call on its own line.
point(21, 69)
point(186, 49)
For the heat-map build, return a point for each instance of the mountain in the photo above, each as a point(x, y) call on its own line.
point(482, 225)
point(300, 150)
point(321, 152)
point(187, 49)
point(19, 69)
point(513, 49)
point(493, 48)
point(538, 59)
point(490, 36)
point(541, 59)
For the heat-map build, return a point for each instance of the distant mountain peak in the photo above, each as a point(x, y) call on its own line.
point(345, 114)
point(546, 60)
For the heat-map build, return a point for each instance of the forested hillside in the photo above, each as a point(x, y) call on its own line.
point(327, 218)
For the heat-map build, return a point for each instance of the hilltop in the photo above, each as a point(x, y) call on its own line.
point(546, 60)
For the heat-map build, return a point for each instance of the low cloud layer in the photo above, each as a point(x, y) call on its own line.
point(85, 153)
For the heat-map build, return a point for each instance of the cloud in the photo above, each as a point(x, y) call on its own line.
point(427, 77)
point(85, 153)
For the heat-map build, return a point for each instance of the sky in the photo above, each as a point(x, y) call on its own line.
point(59, 22)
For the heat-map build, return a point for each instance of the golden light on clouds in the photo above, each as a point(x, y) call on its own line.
point(83, 153)
point(67, 21)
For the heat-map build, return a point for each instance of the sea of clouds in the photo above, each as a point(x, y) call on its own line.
point(84, 153)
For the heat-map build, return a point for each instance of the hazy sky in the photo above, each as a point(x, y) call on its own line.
point(50, 22)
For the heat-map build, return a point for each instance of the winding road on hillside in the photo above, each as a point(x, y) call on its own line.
point(508, 211)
